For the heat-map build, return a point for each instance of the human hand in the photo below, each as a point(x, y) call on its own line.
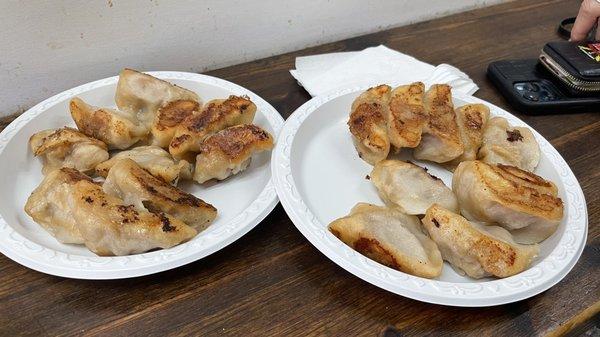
point(588, 15)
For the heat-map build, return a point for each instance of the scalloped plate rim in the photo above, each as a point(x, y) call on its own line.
point(430, 291)
point(156, 261)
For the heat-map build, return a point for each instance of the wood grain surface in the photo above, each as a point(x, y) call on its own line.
point(273, 282)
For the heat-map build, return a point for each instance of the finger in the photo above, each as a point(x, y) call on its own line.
point(584, 22)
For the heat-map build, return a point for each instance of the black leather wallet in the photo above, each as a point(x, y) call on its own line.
point(576, 65)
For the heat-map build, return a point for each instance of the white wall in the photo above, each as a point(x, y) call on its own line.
point(50, 46)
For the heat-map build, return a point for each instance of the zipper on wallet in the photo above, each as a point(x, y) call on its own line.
point(565, 77)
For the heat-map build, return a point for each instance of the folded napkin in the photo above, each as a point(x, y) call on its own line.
point(319, 74)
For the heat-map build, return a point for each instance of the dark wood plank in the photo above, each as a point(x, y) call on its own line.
point(273, 282)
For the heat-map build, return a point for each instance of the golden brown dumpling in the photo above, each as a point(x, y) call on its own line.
point(478, 250)
point(410, 187)
point(141, 95)
point(50, 204)
point(441, 141)
point(368, 124)
point(389, 237)
point(520, 201)
point(407, 115)
point(215, 116)
point(111, 227)
point(74, 209)
point(471, 119)
point(168, 118)
point(115, 128)
point(67, 147)
point(128, 181)
point(229, 151)
point(508, 145)
point(155, 160)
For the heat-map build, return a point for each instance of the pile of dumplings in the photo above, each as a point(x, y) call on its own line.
point(489, 224)
point(127, 201)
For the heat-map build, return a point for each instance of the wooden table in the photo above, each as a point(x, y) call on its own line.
point(273, 282)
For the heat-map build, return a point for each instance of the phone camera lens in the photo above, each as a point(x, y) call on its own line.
point(546, 96)
point(520, 86)
point(532, 96)
point(526, 86)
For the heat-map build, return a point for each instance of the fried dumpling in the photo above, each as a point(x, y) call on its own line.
point(155, 160)
point(115, 128)
point(410, 187)
point(520, 201)
point(111, 227)
point(407, 115)
point(471, 119)
point(478, 250)
point(74, 209)
point(229, 151)
point(369, 125)
point(67, 147)
point(128, 181)
point(508, 145)
point(168, 117)
point(141, 95)
point(50, 204)
point(441, 141)
point(215, 116)
point(389, 237)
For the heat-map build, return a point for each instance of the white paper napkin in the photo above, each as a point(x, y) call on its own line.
point(319, 74)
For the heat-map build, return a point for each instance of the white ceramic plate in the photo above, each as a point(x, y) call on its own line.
point(242, 201)
point(319, 177)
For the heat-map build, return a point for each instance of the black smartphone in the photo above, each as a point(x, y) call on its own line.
point(531, 89)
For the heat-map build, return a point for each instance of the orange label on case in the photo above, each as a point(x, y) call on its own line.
point(592, 50)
